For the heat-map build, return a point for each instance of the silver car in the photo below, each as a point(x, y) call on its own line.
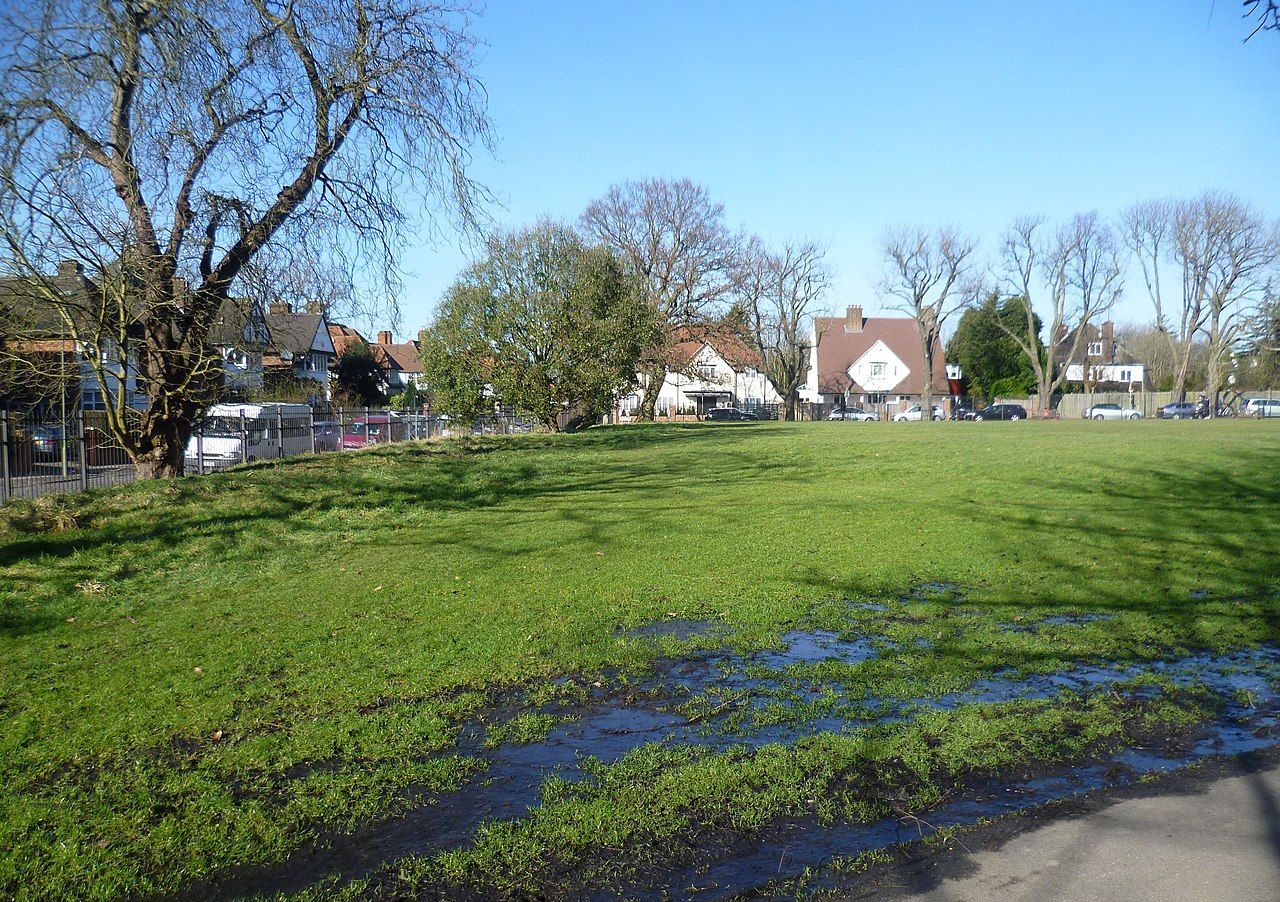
point(1112, 412)
point(853, 413)
point(1261, 407)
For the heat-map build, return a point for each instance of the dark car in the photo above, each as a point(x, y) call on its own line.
point(964, 412)
point(46, 441)
point(1178, 410)
point(1002, 412)
point(726, 414)
point(328, 435)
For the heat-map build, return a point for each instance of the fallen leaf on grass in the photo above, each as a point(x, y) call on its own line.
point(217, 736)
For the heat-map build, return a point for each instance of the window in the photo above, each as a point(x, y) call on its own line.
point(705, 371)
point(1095, 349)
point(1125, 376)
point(877, 369)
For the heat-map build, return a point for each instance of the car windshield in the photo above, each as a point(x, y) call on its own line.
point(1108, 407)
point(225, 426)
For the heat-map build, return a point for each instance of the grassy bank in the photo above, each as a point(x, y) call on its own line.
point(210, 673)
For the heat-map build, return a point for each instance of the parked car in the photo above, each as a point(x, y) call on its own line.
point(1261, 407)
point(726, 414)
point(328, 435)
point(1002, 412)
point(853, 413)
point(374, 429)
point(912, 414)
point(1178, 410)
point(46, 442)
point(230, 433)
point(1112, 412)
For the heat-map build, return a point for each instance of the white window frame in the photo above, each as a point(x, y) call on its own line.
point(1094, 349)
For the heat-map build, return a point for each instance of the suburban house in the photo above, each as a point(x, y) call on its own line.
point(1101, 360)
point(714, 370)
point(300, 344)
point(49, 341)
point(401, 362)
point(858, 359)
point(241, 336)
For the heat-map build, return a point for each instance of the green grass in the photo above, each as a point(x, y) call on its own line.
point(336, 622)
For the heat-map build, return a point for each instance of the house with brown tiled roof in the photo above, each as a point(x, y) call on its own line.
point(401, 361)
point(707, 369)
point(860, 359)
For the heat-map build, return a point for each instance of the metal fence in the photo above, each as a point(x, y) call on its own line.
point(45, 451)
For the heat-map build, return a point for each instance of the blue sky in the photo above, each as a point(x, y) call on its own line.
point(833, 120)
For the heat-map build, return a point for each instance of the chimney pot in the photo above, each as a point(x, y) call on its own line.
point(384, 338)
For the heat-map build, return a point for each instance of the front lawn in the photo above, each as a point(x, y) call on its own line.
point(201, 677)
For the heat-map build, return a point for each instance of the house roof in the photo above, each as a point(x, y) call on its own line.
point(25, 306)
point(403, 356)
point(293, 332)
point(844, 339)
point(1113, 351)
point(344, 336)
point(724, 340)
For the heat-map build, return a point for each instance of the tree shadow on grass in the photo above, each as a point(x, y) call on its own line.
point(293, 497)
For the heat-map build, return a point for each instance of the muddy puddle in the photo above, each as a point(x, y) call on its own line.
point(711, 699)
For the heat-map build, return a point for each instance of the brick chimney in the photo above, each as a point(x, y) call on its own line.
point(1109, 338)
point(384, 338)
point(853, 319)
point(70, 269)
point(279, 307)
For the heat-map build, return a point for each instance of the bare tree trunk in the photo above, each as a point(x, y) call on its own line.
point(163, 448)
point(926, 393)
point(655, 375)
point(1180, 375)
point(789, 408)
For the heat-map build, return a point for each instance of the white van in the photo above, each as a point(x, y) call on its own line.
point(231, 433)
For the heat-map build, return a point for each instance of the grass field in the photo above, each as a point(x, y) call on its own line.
point(202, 676)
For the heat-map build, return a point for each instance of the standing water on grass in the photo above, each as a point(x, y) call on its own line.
point(700, 700)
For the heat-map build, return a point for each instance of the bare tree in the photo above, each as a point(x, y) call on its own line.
point(929, 275)
point(1219, 253)
point(1080, 266)
point(1236, 282)
point(781, 291)
point(173, 148)
point(673, 236)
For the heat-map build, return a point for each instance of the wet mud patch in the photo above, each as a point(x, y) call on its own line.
point(717, 700)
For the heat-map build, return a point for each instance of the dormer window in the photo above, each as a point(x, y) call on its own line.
point(1095, 349)
point(877, 369)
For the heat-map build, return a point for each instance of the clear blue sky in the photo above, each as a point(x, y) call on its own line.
point(834, 119)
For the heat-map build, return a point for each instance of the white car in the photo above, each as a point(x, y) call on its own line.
point(1261, 407)
point(1111, 412)
point(853, 413)
point(912, 414)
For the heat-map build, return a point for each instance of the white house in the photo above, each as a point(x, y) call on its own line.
point(301, 343)
point(1101, 359)
point(858, 359)
point(717, 371)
